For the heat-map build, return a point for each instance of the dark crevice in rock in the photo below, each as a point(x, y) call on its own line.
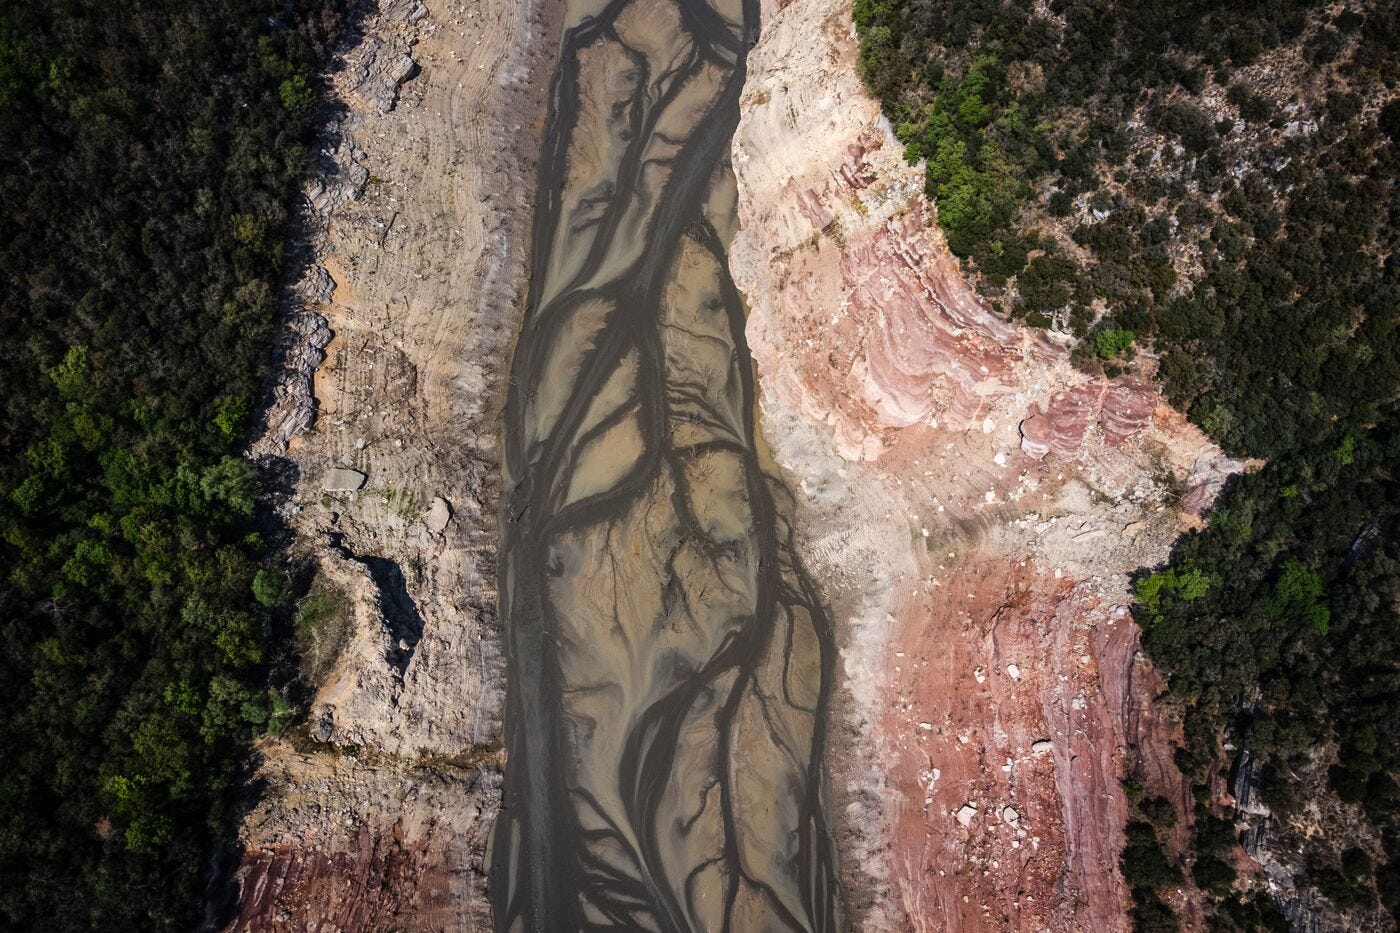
point(402, 620)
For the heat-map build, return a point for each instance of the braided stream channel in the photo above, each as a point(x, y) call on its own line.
point(670, 661)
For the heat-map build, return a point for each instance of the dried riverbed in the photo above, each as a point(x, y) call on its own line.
point(670, 662)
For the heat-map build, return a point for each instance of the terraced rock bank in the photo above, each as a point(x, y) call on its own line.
point(972, 506)
point(385, 420)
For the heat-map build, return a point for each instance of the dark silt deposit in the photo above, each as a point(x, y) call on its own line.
point(670, 661)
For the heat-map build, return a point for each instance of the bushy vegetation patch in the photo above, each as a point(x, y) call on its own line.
point(152, 159)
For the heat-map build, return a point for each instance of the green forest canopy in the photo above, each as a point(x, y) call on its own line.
point(152, 162)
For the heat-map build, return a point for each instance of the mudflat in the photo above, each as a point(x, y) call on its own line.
point(670, 664)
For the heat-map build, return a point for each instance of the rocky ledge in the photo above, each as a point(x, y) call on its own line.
point(385, 414)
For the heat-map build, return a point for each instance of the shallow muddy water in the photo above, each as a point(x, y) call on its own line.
point(670, 661)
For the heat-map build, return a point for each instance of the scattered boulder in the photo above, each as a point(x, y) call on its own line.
point(967, 814)
point(324, 728)
point(343, 479)
point(358, 176)
point(400, 68)
point(378, 70)
point(438, 515)
point(1036, 433)
point(317, 286)
point(293, 407)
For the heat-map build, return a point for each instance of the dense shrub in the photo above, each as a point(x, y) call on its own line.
point(152, 158)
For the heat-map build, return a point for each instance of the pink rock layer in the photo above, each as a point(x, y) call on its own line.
point(973, 506)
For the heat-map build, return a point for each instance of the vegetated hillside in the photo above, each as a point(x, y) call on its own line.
point(1214, 181)
point(152, 156)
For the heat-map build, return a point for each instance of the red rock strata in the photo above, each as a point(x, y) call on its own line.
point(354, 889)
point(340, 843)
point(973, 506)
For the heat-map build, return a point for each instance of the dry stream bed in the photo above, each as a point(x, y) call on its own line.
point(670, 662)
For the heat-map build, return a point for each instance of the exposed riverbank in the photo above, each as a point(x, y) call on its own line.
point(972, 507)
point(386, 416)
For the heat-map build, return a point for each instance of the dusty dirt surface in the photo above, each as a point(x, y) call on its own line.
point(386, 414)
point(971, 505)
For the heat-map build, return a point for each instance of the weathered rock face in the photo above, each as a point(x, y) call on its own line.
point(972, 506)
point(356, 845)
point(419, 272)
point(386, 412)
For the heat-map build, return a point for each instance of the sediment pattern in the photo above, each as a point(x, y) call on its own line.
point(670, 661)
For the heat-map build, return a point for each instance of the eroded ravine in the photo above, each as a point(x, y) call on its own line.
point(670, 662)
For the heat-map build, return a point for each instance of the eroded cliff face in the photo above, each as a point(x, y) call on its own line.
point(385, 418)
point(971, 505)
